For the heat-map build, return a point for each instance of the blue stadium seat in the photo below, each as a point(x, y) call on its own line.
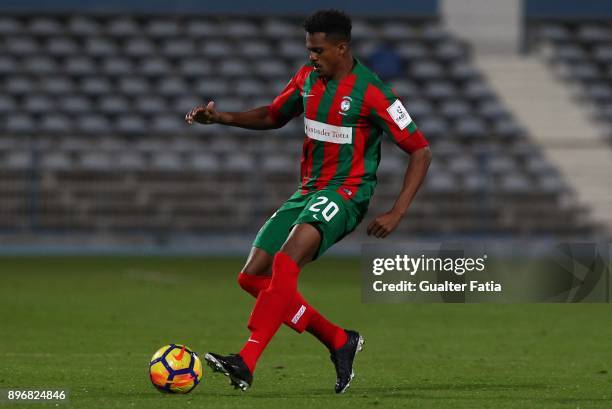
point(150, 105)
point(20, 123)
point(217, 49)
point(95, 161)
point(56, 161)
point(293, 49)
point(57, 85)
point(154, 67)
point(139, 47)
point(129, 160)
point(100, 47)
point(277, 28)
point(411, 51)
point(202, 28)
point(240, 29)
point(255, 49)
point(134, 85)
point(172, 86)
point(204, 162)
point(19, 85)
point(132, 124)
point(79, 66)
point(40, 65)
point(426, 70)
point(94, 124)
point(95, 86)
point(18, 159)
point(123, 27)
point(7, 104)
point(167, 161)
point(45, 26)
point(178, 48)
point(363, 30)
point(594, 33)
point(165, 123)
point(10, 26)
point(75, 104)
point(163, 28)
point(554, 32)
point(22, 46)
point(8, 65)
point(397, 31)
point(113, 104)
point(38, 103)
point(118, 66)
point(83, 26)
point(56, 124)
point(449, 51)
point(454, 109)
point(196, 67)
point(62, 46)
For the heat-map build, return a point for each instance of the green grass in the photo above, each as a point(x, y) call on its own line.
point(91, 324)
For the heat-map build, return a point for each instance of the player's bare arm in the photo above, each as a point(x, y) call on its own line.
point(384, 224)
point(258, 118)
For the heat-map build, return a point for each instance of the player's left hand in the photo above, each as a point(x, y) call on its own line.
point(384, 224)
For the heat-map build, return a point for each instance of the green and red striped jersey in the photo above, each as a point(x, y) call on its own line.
point(343, 122)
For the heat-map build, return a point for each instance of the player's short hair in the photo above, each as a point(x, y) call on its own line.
point(334, 23)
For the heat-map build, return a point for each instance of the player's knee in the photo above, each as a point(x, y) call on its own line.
point(253, 284)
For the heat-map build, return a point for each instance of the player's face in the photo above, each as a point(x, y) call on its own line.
point(324, 53)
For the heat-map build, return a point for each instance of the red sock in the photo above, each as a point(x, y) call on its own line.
point(301, 315)
point(332, 336)
point(253, 284)
point(271, 308)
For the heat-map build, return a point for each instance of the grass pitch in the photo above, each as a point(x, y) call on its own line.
point(90, 325)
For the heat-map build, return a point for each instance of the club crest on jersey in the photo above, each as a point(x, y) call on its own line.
point(345, 105)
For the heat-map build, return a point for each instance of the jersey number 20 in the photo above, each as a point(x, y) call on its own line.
point(328, 211)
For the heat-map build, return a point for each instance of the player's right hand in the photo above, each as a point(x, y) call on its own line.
point(203, 114)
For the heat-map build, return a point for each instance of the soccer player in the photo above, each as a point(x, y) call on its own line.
point(346, 109)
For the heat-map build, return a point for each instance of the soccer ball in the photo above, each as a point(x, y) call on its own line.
point(175, 368)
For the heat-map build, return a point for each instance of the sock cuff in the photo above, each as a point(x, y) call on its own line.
point(253, 283)
point(284, 262)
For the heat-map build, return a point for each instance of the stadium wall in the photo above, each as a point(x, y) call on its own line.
point(564, 9)
point(380, 7)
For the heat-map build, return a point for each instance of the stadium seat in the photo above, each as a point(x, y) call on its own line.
point(113, 104)
point(10, 26)
point(79, 66)
point(201, 28)
point(62, 46)
point(40, 65)
point(240, 29)
point(22, 46)
point(255, 49)
point(277, 28)
point(100, 47)
point(162, 28)
point(56, 161)
point(178, 48)
point(45, 26)
point(55, 124)
point(123, 27)
point(139, 47)
point(7, 104)
point(83, 26)
point(118, 66)
point(20, 123)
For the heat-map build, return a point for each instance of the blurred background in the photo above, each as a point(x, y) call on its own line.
point(514, 96)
